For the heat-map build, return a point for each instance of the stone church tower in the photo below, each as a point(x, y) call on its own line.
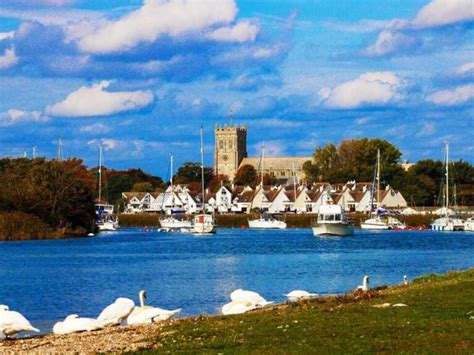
point(230, 148)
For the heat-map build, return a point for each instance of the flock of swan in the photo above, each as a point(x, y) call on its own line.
point(123, 311)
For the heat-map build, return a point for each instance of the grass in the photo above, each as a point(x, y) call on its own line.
point(435, 321)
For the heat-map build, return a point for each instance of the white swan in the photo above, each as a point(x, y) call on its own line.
point(237, 307)
point(300, 295)
point(405, 280)
point(73, 323)
point(116, 312)
point(365, 284)
point(12, 322)
point(249, 296)
point(147, 314)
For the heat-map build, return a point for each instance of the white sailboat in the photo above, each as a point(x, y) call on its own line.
point(105, 219)
point(203, 223)
point(332, 221)
point(446, 223)
point(379, 221)
point(265, 221)
point(171, 222)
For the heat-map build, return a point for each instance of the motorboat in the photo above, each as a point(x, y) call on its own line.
point(105, 217)
point(203, 224)
point(332, 221)
point(469, 225)
point(172, 222)
point(266, 222)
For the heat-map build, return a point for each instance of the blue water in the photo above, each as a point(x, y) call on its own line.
point(47, 280)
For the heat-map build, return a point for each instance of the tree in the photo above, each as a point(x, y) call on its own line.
point(246, 175)
point(61, 193)
point(217, 181)
point(142, 187)
point(191, 172)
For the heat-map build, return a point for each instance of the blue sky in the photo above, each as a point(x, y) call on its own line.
point(142, 76)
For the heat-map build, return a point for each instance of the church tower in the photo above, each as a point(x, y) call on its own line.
point(230, 147)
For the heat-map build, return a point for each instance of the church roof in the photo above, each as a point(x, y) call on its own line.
point(276, 163)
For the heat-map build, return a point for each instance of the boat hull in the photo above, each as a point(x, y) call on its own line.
point(447, 225)
point(266, 224)
point(333, 229)
point(107, 226)
point(203, 224)
point(374, 226)
point(173, 223)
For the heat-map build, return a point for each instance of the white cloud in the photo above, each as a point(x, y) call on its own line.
point(8, 59)
point(94, 101)
point(444, 12)
point(243, 31)
point(96, 128)
point(363, 121)
point(390, 42)
point(107, 143)
point(373, 88)
point(13, 117)
point(156, 18)
point(453, 97)
point(467, 68)
point(272, 148)
point(6, 35)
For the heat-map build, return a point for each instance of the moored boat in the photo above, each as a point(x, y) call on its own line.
point(332, 221)
point(266, 222)
point(469, 225)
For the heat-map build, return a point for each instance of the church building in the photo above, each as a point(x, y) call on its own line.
point(230, 153)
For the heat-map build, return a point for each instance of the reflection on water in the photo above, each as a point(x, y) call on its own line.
point(47, 280)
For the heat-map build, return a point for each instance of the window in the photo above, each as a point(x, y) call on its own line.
point(282, 173)
point(230, 144)
point(221, 144)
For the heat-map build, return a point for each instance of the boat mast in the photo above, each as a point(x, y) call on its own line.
point(60, 150)
point(447, 180)
point(378, 178)
point(261, 167)
point(202, 175)
point(100, 173)
point(171, 182)
point(294, 183)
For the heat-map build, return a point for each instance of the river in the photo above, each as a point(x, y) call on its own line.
point(47, 280)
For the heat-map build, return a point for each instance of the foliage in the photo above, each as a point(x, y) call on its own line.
point(246, 175)
point(191, 172)
point(217, 181)
point(23, 226)
point(60, 193)
point(142, 187)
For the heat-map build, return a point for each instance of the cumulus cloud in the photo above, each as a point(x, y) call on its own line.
point(457, 96)
point(389, 42)
point(444, 12)
point(95, 101)
point(373, 88)
point(8, 59)
point(156, 18)
point(243, 31)
point(14, 116)
point(107, 143)
point(427, 129)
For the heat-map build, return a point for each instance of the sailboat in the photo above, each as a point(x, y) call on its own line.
point(105, 219)
point(379, 221)
point(265, 221)
point(203, 223)
point(171, 222)
point(446, 223)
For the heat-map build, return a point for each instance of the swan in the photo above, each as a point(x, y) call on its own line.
point(237, 307)
point(365, 284)
point(12, 322)
point(399, 305)
point(73, 323)
point(249, 296)
point(147, 314)
point(300, 295)
point(405, 280)
point(116, 312)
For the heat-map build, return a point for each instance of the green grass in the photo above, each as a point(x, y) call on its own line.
point(436, 321)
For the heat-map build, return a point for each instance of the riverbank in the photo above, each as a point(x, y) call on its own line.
point(292, 220)
point(438, 318)
point(15, 226)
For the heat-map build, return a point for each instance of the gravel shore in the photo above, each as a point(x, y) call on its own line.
point(113, 339)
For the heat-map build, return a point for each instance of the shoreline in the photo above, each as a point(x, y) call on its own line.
point(156, 335)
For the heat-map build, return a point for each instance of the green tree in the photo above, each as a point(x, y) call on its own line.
point(246, 175)
point(191, 172)
point(142, 187)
